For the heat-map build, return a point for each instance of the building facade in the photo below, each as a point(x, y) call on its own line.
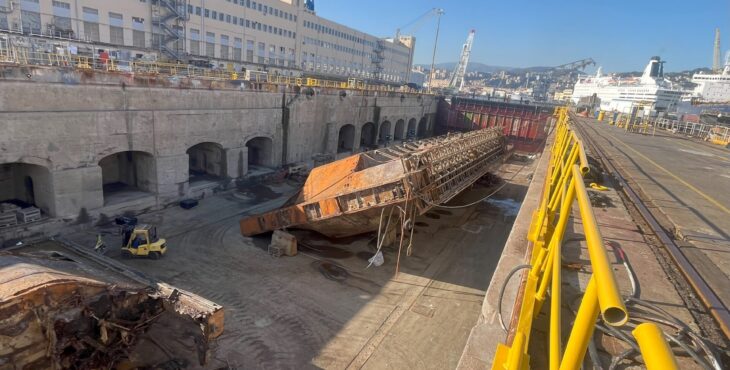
point(279, 36)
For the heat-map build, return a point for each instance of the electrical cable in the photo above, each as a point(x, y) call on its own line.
point(501, 293)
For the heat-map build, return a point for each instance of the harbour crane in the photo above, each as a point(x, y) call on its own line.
point(457, 78)
point(578, 64)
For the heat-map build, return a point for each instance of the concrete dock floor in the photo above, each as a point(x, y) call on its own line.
point(685, 184)
point(323, 308)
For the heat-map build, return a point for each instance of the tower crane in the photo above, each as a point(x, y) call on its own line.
point(417, 23)
point(578, 64)
point(457, 78)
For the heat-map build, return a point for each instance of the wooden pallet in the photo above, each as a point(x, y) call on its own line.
point(29, 214)
point(8, 219)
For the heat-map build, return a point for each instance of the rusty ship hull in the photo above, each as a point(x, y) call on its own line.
point(347, 197)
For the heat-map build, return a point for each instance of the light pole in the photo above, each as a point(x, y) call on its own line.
point(439, 13)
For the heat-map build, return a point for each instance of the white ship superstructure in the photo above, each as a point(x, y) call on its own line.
point(651, 91)
point(712, 88)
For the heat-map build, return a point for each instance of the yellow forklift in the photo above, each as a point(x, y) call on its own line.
point(140, 241)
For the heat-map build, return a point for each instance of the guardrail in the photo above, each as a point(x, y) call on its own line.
point(19, 56)
point(564, 185)
point(716, 134)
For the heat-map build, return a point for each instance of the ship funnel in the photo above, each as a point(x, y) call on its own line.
point(653, 70)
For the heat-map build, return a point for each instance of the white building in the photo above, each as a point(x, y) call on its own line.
point(280, 36)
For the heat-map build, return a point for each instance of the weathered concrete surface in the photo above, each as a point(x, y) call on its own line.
point(685, 184)
point(286, 312)
point(65, 130)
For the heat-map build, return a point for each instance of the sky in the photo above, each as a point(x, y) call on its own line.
point(620, 35)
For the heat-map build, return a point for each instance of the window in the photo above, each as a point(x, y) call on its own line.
point(228, 18)
point(261, 54)
point(237, 48)
point(91, 31)
point(220, 16)
point(215, 14)
point(224, 47)
point(207, 13)
point(197, 10)
point(194, 41)
point(210, 44)
point(116, 30)
point(62, 19)
point(249, 51)
point(138, 35)
point(61, 4)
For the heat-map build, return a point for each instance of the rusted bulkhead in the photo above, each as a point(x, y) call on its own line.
point(345, 197)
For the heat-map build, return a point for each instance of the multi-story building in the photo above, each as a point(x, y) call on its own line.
point(278, 36)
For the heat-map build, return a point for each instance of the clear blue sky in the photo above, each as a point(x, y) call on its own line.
point(620, 35)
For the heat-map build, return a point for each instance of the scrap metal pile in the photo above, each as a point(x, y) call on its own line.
point(62, 307)
point(349, 196)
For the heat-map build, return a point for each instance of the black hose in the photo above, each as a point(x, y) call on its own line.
point(501, 292)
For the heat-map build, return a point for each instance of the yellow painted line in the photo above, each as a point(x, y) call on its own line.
point(698, 191)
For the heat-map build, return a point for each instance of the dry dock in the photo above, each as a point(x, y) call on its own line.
point(323, 308)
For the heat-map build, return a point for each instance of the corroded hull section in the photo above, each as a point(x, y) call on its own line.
point(346, 197)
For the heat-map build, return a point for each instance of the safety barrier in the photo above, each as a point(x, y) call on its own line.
point(20, 56)
point(715, 134)
point(564, 185)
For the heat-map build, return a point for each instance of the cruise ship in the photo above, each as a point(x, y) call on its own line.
point(650, 91)
point(712, 88)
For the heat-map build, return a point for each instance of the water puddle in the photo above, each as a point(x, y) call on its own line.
point(509, 207)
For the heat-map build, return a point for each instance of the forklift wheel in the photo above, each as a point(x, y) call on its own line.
point(155, 255)
point(126, 254)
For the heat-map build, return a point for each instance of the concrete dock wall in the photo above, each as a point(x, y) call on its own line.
point(68, 132)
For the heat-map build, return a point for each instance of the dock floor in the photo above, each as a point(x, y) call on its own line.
point(686, 186)
point(323, 308)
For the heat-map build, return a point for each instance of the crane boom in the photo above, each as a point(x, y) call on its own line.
point(457, 78)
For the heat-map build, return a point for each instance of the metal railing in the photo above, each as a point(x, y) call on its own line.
point(716, 134)
point(564, 185)
point(21, 56)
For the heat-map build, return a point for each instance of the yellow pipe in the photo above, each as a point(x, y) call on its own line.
point(514, 360)
point(612, 306)
point(584, 168)
point(567, 175)
point(555, 302)
point(582, 332)
point(556, 239)
point(654, 349)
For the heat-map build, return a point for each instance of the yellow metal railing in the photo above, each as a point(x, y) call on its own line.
point(565, 185)
point(21, 56)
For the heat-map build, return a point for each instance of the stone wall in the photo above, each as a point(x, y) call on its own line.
point(68, 128)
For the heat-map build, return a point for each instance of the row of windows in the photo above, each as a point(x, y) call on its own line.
point(265, 9)
point(349, 37)
point(343, 35)
point(340, 48)
point(240, 21)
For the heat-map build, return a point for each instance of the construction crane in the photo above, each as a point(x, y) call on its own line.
point(457, 78)
point(578, 64)
point(417, 23)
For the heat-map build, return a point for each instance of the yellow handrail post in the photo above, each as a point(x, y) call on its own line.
point(585, 323)
point(654, 349)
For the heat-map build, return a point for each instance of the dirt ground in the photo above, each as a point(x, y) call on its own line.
point(324, 308)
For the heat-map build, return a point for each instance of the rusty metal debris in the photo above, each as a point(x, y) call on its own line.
point(62, 307)
point(345, 197)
